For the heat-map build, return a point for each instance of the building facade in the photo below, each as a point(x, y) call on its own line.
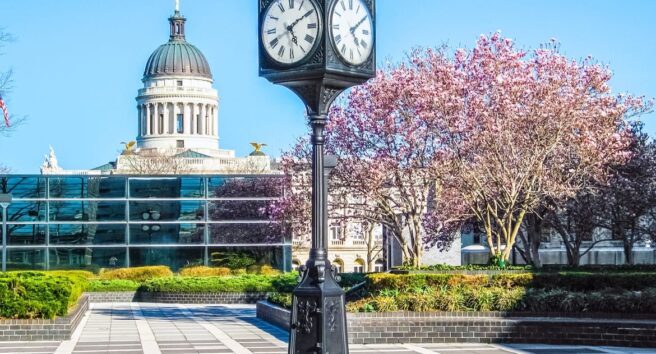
point(92, 222)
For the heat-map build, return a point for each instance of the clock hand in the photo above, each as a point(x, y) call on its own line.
point(290, 27)
point(358, 25)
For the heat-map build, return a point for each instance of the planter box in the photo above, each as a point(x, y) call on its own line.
point(458, 327)
point(44, 330)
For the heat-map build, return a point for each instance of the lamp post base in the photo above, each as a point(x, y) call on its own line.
point(318, 322)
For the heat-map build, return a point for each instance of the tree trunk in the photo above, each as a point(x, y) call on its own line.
point(534, 234)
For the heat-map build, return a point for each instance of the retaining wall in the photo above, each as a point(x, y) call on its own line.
point(459, 327)
point(178, 298)
point(44, 330)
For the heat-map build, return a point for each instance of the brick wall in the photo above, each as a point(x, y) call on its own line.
point(409, 327)
point(178, 298)
point(44, 330)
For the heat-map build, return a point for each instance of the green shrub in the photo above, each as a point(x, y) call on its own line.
point(37, 294)
point(85, 274)
point(385, 304)
point(239, 284)
point(203, 271)
point(139, 274)
point(282, 300)
point(108, 285)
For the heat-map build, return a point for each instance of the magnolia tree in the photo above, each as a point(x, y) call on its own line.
point(516, 128)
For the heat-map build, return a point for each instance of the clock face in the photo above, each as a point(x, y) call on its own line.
point(290, 30)
point(351, 30)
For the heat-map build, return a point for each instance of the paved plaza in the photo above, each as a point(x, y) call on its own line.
point(126, 328)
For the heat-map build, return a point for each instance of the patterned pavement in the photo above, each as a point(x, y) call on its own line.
point(126, 328)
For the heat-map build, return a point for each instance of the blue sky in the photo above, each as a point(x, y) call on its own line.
point(78, 63)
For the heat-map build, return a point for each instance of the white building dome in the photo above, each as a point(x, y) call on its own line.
point(178, 107)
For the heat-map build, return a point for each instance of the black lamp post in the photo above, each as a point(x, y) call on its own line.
point(318, 49)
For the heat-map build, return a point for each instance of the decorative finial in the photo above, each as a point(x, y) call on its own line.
point(177, 5)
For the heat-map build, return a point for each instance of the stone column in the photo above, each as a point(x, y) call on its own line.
point(139, 120)
point(156, 120)
point(216, 121)
point(203, 112)
point(187, 118)
point(149, 115)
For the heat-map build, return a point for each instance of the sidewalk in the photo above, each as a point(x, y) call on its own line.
point(127, 328)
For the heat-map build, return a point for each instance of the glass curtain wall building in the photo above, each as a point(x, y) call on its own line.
point(92, 222)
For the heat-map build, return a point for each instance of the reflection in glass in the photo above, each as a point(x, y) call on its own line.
point(167, 233)
point(23, 187)
point(27, 211)
point(175, 258)
point(243, 234)
point(167, 210)
point(172, 187)
point(87, 211)
point(26, 234)
point(243, 257)
point(87, 187)
point(87, 234)
point(231, 210)
point(244, 187)
point(22, 259)
point(87, 258)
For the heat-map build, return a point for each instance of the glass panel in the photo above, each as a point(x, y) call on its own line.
point(244, 234)
point(26, 211)
point(240, 257)
point(87, 258)
point(160, 210)
point(21, 259)
point(244, 187)
point(239, 210)
point(87, 234)
point(167, 233)
point(87, 211)
point(26, 234)
point(87, 187)
point(175, 258)
point(24, 187)
point(182, 187)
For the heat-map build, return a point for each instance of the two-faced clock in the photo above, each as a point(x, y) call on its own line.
point(351, 31)
point(290, 30)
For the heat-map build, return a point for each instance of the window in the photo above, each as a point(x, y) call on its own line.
point(199, 124)
point(179, 144)
point(379, 266)
point(179, 83)
point(339, 264)
point(359, 266)
point(180, 124)
point(336, 233)
point(160, 123)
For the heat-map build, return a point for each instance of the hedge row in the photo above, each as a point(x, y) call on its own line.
point(565, 280)
point(516, 299)
point(38, 295)
point(244, 283)
point(604, 268)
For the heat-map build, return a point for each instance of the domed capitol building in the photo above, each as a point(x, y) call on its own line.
point(177, 119)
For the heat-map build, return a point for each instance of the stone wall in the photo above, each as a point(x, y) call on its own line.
point(440, 327)
point(44, 330)
point(178, 298)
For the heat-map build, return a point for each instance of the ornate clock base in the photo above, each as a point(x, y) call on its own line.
point(318, 322)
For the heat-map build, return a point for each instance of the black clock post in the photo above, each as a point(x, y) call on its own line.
point(317, 68)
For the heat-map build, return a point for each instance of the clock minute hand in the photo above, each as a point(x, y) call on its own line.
point(358, 24)
point(291, 27)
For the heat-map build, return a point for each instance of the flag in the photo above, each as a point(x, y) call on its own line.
point(5, 112)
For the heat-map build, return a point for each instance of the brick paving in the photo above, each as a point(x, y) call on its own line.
point(126, 328)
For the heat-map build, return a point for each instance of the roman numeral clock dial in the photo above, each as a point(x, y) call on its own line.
point(351, 30)
point(290, 30)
